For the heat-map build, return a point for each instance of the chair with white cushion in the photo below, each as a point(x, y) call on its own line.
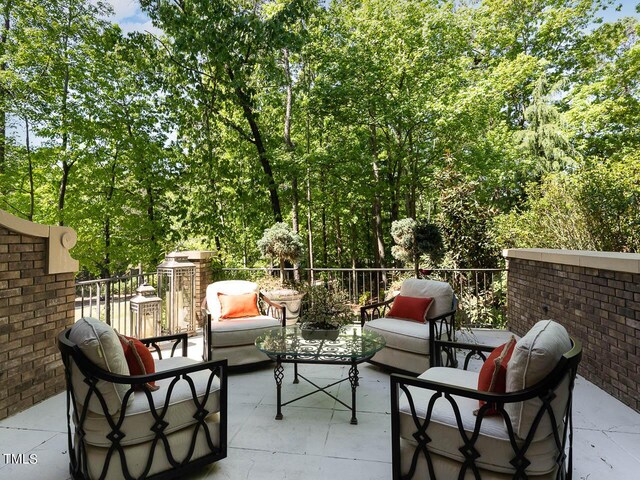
point(236, 314)
point(407, 327)
point(452, 423)
point(162, 425)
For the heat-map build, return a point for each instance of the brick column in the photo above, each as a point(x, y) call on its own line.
point(35, 305)
point(204, 276)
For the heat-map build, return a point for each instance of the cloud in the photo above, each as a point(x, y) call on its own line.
point(144, 26)
point(124, 9)
point(130, 17)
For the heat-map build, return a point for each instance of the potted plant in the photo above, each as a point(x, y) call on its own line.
point(280, 243)
point(414, 239)
point(324, 312)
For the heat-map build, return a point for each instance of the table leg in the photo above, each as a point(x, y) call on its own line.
point(353, 379)
point(295, 373)
point(278, 374)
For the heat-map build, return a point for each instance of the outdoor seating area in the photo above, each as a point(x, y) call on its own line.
point(285, 239)
point(315, 440)
point(409, 391)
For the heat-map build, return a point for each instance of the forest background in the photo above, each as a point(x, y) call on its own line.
point(501, 123)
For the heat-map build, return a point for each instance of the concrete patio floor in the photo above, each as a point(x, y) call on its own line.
point(315, 439)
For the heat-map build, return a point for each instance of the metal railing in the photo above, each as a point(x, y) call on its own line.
point(108, 299)
point(481, 292)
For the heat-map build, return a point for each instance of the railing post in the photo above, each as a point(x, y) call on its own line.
point(107, 302)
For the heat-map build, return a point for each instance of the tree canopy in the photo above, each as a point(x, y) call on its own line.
point(499, 123)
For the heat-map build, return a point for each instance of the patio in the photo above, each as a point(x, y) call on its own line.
point(315, 439)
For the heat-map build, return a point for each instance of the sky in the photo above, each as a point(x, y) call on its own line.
point(131, 18)
point(128, 15)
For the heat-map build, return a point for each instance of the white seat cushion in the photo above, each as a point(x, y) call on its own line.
point(227, 287)
point(137, 455)
point(241, 331)
point(138, 418)
point(534, 357)
point(493, 443)
point(441, 292)
point(402, 334)
point(101, 345)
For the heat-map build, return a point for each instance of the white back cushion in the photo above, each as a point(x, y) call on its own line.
point(534, 357)
point(228, 287)
point(101, 345)
point(441, 292)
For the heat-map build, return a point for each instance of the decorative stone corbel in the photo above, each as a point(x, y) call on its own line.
point(59, 241)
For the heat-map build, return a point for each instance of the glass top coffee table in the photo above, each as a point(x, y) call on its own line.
point(291, 344)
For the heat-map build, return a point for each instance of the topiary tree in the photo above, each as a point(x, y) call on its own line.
point(281, 243)
point(414, 239)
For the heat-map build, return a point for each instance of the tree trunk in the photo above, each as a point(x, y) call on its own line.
point(377, 204)
point(309, 229)
point(3, 92)
point(106, 263)
point(295, 221)
point(282, 271)
point(66, 164)
point(62, 191)
point(289, 102)
point(338, 240)
point(250, 116)
point(412, 168)
point(290, 148)
point(325, 258)
point(32, 195)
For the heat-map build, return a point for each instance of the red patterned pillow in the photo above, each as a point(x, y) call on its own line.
point(410, 308)
point(139, 359)
point(238, 306)
point(493, 374)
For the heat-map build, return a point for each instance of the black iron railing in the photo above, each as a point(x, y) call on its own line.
point(108, 299)
point(481, 292)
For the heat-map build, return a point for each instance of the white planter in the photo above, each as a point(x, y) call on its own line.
point(291, 299)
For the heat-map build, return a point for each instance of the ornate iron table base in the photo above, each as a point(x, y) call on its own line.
point(278, 374)
point(288, 345)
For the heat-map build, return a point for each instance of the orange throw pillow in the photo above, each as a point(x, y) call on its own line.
point(238, 306)
point(493, 374)
point(139, 359)
point(410, 308)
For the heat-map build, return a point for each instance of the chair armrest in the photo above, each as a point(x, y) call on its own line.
point(91, 370)
point(445, 389)
point(374, 310)
point(178, 338)
point(274, 309)
point(442, 327)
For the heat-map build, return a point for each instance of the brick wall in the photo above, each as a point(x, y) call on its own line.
point(598, 306)
point(34, 308)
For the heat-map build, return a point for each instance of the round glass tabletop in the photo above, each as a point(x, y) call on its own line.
point(293, 341)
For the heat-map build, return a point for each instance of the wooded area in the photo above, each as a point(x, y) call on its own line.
point(502, 122)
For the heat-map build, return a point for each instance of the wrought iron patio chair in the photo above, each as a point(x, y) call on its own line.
point(439, 432)
point(408, 347)
point(120, 428)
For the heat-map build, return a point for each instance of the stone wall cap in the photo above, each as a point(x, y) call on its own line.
point(615, 261)
point(22, 226)
point(197, 254)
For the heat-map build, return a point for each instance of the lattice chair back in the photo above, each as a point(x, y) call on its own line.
point(440, 431)
point(120, 426)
